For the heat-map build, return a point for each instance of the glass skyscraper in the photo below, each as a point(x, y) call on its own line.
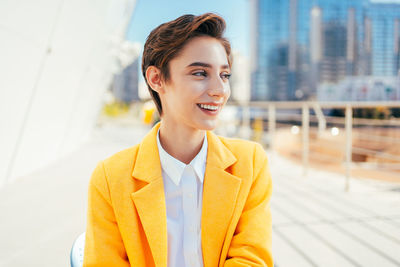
point(385, 33)
point(301, 44)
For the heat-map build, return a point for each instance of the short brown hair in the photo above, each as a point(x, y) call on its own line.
point(166, 41)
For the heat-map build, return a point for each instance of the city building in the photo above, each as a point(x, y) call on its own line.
point(240, 79)
point(361, 88)
point(300, 45)
point(125, 86)
point(385, 39)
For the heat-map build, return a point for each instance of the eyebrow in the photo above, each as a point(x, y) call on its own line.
point(206, 65)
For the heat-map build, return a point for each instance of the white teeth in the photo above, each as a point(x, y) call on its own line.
point(209, 107)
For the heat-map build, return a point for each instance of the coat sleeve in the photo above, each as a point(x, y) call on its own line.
point(103, 244)
point(251, 243)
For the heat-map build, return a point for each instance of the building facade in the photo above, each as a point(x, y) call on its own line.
point(126, 83)
point(55, 66)
point(299, 45)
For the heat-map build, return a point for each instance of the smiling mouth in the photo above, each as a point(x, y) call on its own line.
point(208, 107)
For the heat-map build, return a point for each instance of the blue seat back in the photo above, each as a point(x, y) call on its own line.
point(77, 250)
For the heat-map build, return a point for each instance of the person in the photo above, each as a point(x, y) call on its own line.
point(183, 196)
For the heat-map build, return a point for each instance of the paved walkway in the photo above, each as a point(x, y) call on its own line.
point(315, 223)
point(43, 213)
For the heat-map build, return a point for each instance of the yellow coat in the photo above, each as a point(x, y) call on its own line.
point(127, 224)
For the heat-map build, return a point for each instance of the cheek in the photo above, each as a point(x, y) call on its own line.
point(188, 95)
point(228, 92)
point(194, 89)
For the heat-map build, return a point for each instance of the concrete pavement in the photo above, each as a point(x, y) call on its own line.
point(315, 223)
point(43, 213)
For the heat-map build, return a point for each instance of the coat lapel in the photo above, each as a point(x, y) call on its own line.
point(220, 191)
point(150, 199)
point(219, 199)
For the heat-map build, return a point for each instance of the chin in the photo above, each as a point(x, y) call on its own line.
point(207, 125)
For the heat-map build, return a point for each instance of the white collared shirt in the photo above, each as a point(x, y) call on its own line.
point(183, 187)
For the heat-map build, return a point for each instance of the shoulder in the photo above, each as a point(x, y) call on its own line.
point(240, 146)
point(122, 159)
point(118, 165)
point(245, 150)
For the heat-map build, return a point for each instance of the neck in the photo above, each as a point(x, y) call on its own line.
point(181, 142)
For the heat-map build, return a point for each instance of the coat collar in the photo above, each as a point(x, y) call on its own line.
point(147, 166)
point(220, 191)
point(174, 168)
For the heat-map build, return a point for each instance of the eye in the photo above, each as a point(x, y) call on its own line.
point(200, 73)
point(226, 76)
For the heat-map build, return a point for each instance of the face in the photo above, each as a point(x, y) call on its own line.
point(198, 87)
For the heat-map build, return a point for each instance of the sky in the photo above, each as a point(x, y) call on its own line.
point(148, 14)
point(386, 1)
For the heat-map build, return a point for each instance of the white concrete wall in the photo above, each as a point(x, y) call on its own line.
point(55, 58)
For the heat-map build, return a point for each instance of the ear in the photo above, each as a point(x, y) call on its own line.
point(153, 76)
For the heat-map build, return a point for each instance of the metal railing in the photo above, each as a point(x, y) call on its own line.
point(268, 111)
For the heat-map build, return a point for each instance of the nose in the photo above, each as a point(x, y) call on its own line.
point(218, 88)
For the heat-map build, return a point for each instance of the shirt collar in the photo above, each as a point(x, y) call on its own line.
point(174, 168)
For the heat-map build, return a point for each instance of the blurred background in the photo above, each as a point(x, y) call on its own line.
point(317, 82)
